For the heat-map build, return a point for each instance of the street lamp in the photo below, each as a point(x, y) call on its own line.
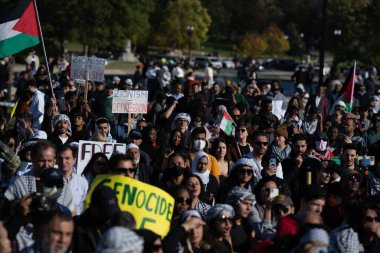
point(190, 31)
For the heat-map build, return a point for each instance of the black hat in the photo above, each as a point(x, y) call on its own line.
point(314, 191)
point(105, 200)
point(52, 177)
point(135, 134)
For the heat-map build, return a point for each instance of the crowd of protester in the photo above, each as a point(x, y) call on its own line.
point(304, 181)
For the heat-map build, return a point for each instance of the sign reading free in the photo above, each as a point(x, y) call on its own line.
point(130, 101)
point(151, 207)
point(88, 148)
point(87, 68)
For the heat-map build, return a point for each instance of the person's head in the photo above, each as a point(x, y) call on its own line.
point(216, 88)
point(133, 152)
point(43, 156)
point(219, 149)
point(321, 90)
point(152, 241)
point(103, 205)
point(369, 220)
point(197, 234)
point(141, 124)
point(198, 136)
point(67, 157)
point(135, 137)
point(313, 199)
point(275, 86)
point(376, 120)
point(182, 199)
point(350, 155)
point(182, 121)
point(299, 144)
point(62, 124)
point(260, 143)
point(333, 133)
point(121, 164)
point(97, 164)
point(235, 114)
point(263, 189)
point(25, 122)
point(350, 181)
point(103, 126)
point(175, 138)
point(340, 106)
point(149, 134)
point(100, 86)
point(242, 131)
point(243, 171)
point(200, 162)
point(31, 86)
point(120, 239)
point(242, 200)
point(266, 105)
point(321, 141)
point(220, 218)
point(282, 205)
point(281, 135)
point(195, 186)
point(79, 119)
point(58, 233)
point(350, 126)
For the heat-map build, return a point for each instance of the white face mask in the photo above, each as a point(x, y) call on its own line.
point(321, 145)
point(199, 145)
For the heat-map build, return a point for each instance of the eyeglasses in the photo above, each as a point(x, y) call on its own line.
point(261, 143)
point(184, 201)
point(225, 219)
point(246, 172)
point(241, 130)
point(125, 170)
point(278, 209)
point(371, 219)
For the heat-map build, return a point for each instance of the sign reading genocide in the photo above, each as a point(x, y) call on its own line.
point(88, 148)
point(130, 101)
point(87, 68)
point(151, 207)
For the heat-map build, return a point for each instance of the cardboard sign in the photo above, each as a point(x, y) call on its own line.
point(151, 207)
point(87, 68)
point(130, 101)
point(88, 148)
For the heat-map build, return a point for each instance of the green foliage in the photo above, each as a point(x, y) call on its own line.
point(179, 15)
point(252, 45)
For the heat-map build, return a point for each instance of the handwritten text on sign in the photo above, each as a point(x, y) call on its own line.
point(87, 68)
point(151, 207)
point(130, 101)
point(88, 148)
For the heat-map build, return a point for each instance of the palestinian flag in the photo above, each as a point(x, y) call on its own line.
point(18, 27)
point(226, 122)
point(347, 93)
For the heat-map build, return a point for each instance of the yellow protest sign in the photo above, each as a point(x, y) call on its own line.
point(151, 206)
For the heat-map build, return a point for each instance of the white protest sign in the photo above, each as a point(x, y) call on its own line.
point(88, 148)
point(130, 101)
point(87, 68)
point(277, 108)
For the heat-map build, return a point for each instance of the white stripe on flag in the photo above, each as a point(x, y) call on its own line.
point(6, 31)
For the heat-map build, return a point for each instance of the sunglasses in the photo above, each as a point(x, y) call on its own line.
point(156, 247)
point(261, 143)
point(225, 219)
point(371, 219)
point(235, 116)
point(125, 170)
point(246, 172)
point(184, 201)
point(241, 130)
point(280, 209)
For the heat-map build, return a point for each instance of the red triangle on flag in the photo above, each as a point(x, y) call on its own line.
point(28, 21)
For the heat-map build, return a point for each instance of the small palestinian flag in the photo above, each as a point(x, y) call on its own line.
point(347, 93)
point(18, 27)
point(226, 123)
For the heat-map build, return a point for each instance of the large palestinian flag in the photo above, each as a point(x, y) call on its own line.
point(347, 93)
point(18, 27)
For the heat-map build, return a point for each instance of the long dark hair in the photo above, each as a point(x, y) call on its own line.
point(91, 163)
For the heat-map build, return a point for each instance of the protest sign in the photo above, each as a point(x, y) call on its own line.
point(87, 68)
point(88, 148)
point(151, 207)
point(130, 101)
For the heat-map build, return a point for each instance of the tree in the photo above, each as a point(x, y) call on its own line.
point(252, 45)
point(179, 15)
point(276, 40)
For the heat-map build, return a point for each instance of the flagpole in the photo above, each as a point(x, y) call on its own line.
point(43, 47)
point(353, 85)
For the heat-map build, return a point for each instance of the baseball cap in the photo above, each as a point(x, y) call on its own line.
point(283, 200)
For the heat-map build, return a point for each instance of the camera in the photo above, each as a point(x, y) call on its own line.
point(366, 161)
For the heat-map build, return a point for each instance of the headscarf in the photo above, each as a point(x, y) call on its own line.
point(218, 211)
point(120, 240)
point(62, 117)
point(238, 194)
point(205, 176)
point(109, 136)
point(183, 116)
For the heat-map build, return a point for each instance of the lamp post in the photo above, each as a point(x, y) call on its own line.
point(190, 31)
